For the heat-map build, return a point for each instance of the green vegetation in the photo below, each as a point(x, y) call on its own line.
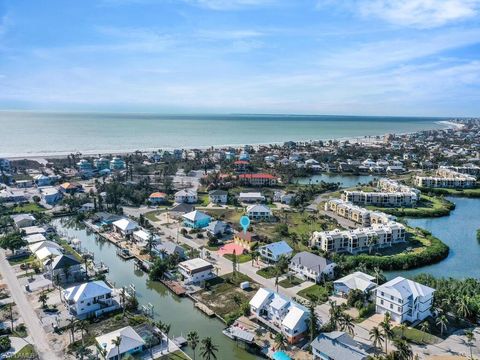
point(432, 250)
point(27, 208)
point(469, 193)
point(152, 215)
point(428, 206)
point(240, 258)
point(4, 344)
point(27, 352)
point(415, 336)
point(268, 272)
point(176, 355)
point(69, 249)
point(290, 282)
point(27, 259)
point(315, 293)
point(478, 234)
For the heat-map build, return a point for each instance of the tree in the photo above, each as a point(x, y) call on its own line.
point(208, 349)
point(166, 330)
point(312, 323)
point(280, 341)
point(237, 300)
point(5, 344)
point(442, 323)
point(346, 324)
point(463, 307)
point(116, 342)
point(43, 298)
point(12, 241)
point(83, 327)
point(159, 268)
point(72, 322)
point(470, 338)
point(151, 242)
point(387, 330)
point(376, 337)
point(403, 351)
point(193, 340)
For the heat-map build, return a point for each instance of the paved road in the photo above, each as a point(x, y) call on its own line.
point(26, 311)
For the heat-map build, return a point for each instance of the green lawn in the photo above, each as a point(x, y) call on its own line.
point(267, 272)
point(290, 282)
point(151, 215)
point(318, 291)
point(27, 352)
point(474, 193)
point(428, 206)
point(27, 208)
point(240, 258)
point(22, 260)
point(177, 355)
point(416, 336)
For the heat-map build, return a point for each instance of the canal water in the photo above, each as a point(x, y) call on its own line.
point(458, 231)
point(345, 181)
point(171, 309)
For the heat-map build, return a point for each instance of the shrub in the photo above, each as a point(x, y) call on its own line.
point(5, 344)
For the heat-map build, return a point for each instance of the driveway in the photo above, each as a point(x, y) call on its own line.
point(26, 311)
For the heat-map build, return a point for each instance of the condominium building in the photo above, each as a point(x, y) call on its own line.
point(468, 169)
point(390, 185)
point(446, 178)
point(361, 239)
point(384, 199)
point(356, 213)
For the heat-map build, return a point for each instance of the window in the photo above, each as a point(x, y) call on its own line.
point(391, 306)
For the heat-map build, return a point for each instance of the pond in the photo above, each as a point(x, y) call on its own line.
point(345, 181)
point(171, 309)
point(458, 231)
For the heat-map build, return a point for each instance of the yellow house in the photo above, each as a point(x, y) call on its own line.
point(247, 240)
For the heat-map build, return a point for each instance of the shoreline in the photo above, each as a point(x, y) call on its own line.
point(354, 139)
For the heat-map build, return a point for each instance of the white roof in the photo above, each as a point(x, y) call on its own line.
point(260, 298)
point(129, 341)
point(278, 302)
point(294, 317)
point(31, 239)
point(87, 291)
point(20, 217)
point(125, 224)
point(258, 208)
point(30, 230)
point(357, 281)
point(402, 288)
point(186, 192)
point(251, 195)
point(142, 234)
point(37, 246)
point(46, 252)
point(194, 264)
point(196, 216)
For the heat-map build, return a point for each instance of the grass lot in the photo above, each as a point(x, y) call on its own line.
point(267, 272)
point(151, 215)
point(240, 258)
point(416, 336)
point(27, 352)
point(318, 291)
point(228, 215)
point(27, 208)
point(290, 282)
point(473, 193)
point(428, 206)
point(22, 260)
point(177, 355)
point(203, 199)
point(69, 249)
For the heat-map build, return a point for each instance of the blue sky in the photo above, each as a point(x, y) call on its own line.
point(362, 57)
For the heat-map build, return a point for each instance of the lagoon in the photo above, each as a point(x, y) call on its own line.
point(345, 181)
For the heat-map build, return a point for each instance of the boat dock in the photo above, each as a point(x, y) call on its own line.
point(174, 286)
point(205, 309)
point(125, 254)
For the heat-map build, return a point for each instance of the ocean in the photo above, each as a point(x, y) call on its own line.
point(41, 134)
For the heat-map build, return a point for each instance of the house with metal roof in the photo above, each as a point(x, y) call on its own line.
point(312, 267)
point(274, 251)
point(23, 220)
point(355, 281)
point(337, 345)
point(196, 219)
point(130, 343)
point(125, 226)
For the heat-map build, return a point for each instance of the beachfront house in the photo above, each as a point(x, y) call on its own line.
point(312, 267)
point(259, 212)
point(187, 196)
point(280, 314)
point(218, 196)
point(130, 343)
point(90, 299)
point(195, 271)
point(404, 299)
point(196, 220)
point(124, 227)
point(117, 164)
point(337, 345)
point(274, 251)
point(355, 281)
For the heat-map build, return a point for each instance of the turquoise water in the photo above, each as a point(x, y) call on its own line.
point(179, 312)
point(458, 231)
point(345, 181)
point(32, 133)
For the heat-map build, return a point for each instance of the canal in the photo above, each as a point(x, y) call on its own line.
point(171, 309)
point(345, 181)
point(458, 231)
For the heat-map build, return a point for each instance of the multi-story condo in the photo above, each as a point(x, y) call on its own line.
point(280, 314)
point(469, 169)
point(446, 178)
point(404, 299)
point(385, 199)
point(361, 239)
point(356, 213)
point(394, 186)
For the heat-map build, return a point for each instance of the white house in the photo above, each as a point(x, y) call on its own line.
point(259, 212)
point(356, 281)
point(273, 252)
point(404, 299)
point(251, 197)
point(23, 220)
point(280, 314)
point(187, 196)
point(89, 299)
point(196, 270)
point(218, 196)
point(34, 238)
point(337, 345)
point(124, 226)
point(312, 267)
point(130, 343)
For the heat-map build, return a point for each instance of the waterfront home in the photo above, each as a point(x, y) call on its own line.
point(196, 220)
point(50, 195)
point(105, 219)
point(101, 163)
point(274, 251)
point(90, 299)
point(30, 230)
point(70, 188)
point(249, 197)
point(312, 267)
point(124, 226)
point(167, 248)
point(218, 196)
point(356, 213)
point(34, 238)
point(47, 243)
point(247, 240)
point(23, 220)
point(157, 198)
point(85, 167)
point(355, 281)
point(404, 299)
point(195, 271)
point(384, 199)
point(259, 212)
point(187, 196)
point(181, 209)
point(360, 239)
point(257, 179)
point(280, 314)
point(47, 252)
point(130, 343)
point(117, 164)
point(218, 228)
point(143, 236)
point(462, 181)
point(64, 267)
point(337, 345)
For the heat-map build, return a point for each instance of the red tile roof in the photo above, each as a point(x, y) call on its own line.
point(257, 176)
point(158, 195)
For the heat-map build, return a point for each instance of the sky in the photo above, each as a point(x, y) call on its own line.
point(346, 57)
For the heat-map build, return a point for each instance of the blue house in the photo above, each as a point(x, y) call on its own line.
point(273, 252)
point(196, 220)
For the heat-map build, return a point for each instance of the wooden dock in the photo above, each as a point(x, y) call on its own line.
point(205, 309)
point(174, 286)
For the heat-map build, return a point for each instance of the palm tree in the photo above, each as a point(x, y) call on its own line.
point(346, 324)
point(208, 349)
point(43, 298)
point(72, 322)
point(377, 272)
point(335, 313)
point(280, 341)
point(151, 242)
point(403, 351)
point(463, 307)
point(425, 326)
point(237, 300)
point(376, 337)
point(403, 327)
point(387, 330)
point(83, 327)
point(193, 340)
point(470, 338)
point(116, 342)
point(123, 299)
point(442, 323)
point(150, 341)
point(312, 323)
